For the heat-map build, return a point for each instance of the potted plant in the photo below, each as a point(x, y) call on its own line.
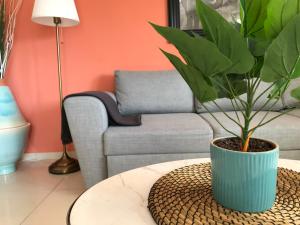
point(13, 127)
point(231, 60)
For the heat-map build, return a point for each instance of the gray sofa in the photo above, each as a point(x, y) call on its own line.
point(174, 125)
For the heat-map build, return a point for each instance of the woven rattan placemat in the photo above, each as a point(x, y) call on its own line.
point(184, 197)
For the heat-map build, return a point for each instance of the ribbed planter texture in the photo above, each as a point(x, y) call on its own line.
point(244, 181)
point(13, 131)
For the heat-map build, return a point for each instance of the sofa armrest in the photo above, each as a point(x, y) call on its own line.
point(88, 120)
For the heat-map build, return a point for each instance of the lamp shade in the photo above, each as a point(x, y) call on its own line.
point(45, 10)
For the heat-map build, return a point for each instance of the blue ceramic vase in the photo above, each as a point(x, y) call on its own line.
point(244, 181)
point(13, 131)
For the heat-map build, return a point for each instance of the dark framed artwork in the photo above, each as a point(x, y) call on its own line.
point(183, 15)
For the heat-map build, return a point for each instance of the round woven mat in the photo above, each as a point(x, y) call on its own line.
point(184, 197)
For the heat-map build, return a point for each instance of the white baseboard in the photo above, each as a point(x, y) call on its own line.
point(45, 155)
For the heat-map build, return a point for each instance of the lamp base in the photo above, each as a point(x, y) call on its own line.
point(64, 165)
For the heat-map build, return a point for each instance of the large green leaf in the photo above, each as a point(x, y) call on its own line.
point(253, 15)
point(282, 59)
point(202, 89)
point(296, 93)
point(231, 83)
point(258, 46)
point(280, 13)
point(255, 72)
point(196, 51)
point(226, 37)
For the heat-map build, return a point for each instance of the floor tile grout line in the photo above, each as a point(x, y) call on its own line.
point(43, 200)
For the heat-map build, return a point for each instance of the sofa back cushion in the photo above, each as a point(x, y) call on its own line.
point(288, 100)
point(226, 105)
point(152, 92)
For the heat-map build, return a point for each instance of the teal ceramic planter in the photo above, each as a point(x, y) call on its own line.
point(242, 181)
point(12, 144)
point(13, 131)
point(10, 115)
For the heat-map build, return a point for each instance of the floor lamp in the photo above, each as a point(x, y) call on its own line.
point(58, 13)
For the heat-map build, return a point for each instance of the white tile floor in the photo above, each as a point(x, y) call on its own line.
point(32, 196)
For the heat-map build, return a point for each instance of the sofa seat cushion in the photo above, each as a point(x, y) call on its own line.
point(295, 112)
point(288, 100)
point(284, 130)
point(160, 134)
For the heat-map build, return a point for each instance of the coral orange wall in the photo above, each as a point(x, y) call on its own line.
point(112, 35)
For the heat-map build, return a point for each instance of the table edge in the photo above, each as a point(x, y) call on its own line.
point(68, 222)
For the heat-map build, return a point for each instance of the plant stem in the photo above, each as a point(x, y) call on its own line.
point(235, 111)
point(268, 121)
point(246, 145)
point(226, 114)
point(269, 99)
point(262, 93)
point(268, 111)
point(219, 122)
point(247, 118)
point(243, 103)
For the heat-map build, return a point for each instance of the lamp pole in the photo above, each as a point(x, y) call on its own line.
point(65, 164)
point(57, 22)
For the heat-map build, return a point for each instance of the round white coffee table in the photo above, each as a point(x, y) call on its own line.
point(123, 199)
